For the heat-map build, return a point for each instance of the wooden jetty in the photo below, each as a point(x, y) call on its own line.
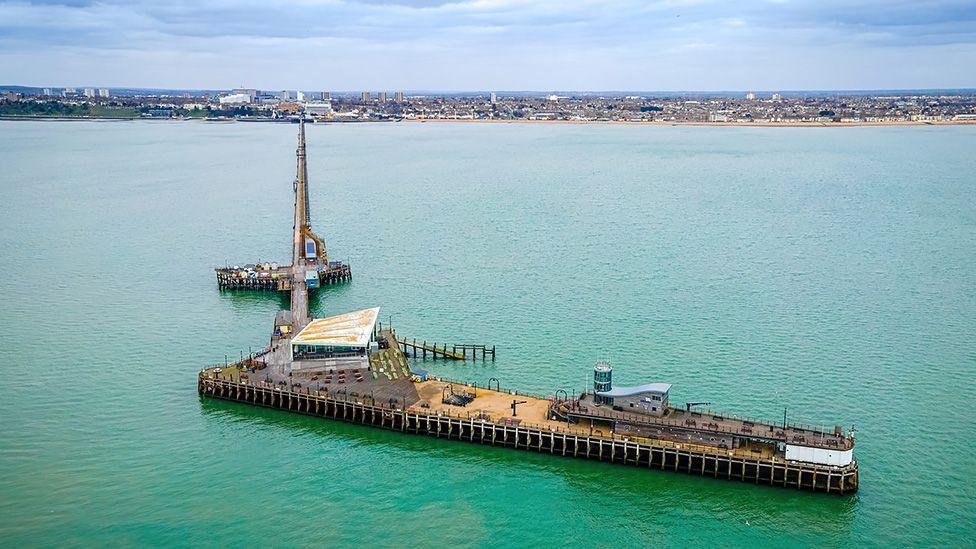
point(419, 349)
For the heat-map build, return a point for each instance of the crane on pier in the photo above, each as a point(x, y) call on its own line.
point(515, 404)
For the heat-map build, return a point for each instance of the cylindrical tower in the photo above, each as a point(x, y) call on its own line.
point(602, 380)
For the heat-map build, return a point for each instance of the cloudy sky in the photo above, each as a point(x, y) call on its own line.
point(661, 45)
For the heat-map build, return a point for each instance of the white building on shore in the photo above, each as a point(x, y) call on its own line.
point(235, 99)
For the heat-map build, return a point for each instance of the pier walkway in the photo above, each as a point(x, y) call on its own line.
point(683, 425)
point(310, 266)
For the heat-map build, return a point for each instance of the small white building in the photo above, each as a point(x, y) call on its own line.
point(650, 398)
point(235, 99)
point(318, 108)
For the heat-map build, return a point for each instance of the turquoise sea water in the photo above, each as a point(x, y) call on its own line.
point(832, 271)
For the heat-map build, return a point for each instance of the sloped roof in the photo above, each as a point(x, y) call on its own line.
point(347, 330)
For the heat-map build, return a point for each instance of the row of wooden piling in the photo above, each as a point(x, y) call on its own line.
point(335, 275)
point(772, 472)
point(457, 352)
point(231, 281)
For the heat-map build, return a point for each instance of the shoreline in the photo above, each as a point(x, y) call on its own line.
point(691, 123)
point(522, 121)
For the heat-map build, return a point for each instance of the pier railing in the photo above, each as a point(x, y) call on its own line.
point(680, 423)
point(797, 428)
point(635, 450)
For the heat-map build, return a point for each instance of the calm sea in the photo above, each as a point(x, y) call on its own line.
point(829, 271)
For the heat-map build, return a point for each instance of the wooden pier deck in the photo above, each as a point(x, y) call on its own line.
point(647, 454)
point(384, 394)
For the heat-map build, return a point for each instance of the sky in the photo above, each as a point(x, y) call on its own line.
point(472, 45)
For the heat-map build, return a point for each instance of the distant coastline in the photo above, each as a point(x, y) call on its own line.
point(517, 121)
point(693, 123)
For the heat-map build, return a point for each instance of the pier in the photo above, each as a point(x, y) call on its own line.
point(350, 367)
point(310, 265)
point(557, 441)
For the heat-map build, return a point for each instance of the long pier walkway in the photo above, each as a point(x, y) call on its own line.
point(310, 266)
point(299, 288)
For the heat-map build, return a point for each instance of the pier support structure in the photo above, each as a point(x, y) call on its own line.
point(774, 472)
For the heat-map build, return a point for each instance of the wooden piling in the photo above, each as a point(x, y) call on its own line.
point(535, 439)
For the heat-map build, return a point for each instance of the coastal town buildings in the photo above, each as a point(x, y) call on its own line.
point(774, 108)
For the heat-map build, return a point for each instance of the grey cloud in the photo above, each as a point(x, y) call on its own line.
point(610, 37)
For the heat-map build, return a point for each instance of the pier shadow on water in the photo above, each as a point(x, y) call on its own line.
point(240, 299)
point(797, 515)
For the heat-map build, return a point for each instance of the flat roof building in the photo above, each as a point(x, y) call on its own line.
point(235, 99)
point(318, 108)
point(650, 398)
point(344, 336)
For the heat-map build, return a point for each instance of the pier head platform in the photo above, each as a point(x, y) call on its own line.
point(374, 385)
point(386, 394)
